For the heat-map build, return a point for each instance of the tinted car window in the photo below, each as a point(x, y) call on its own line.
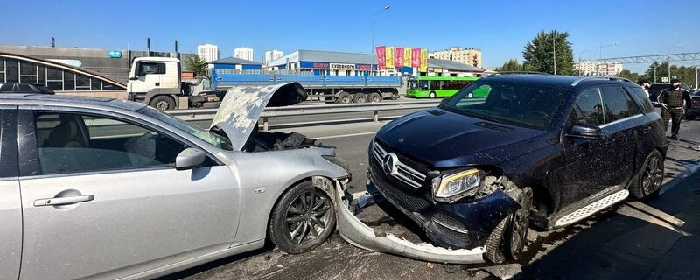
point(617, 104)
point(520, 104)
point(641, 97)
point(588, 108)
point(24, 87)
point(74, 143)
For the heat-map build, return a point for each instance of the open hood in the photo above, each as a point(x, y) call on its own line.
point(243, 105)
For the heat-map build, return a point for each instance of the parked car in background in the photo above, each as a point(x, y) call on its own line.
point(656, 89)
point(694, 112)
point(24, 88)
point(111, 189)
point(472, 173)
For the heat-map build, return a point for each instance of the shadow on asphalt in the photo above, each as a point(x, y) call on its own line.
point(652, 240)
point(217, 263)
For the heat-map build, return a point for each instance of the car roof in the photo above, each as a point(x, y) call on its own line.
point(570, 82)
point(70, 101)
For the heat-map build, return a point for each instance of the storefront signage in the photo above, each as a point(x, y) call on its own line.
point(320, 65)
point(363, 67)
point(342, 66)
point(115, 54)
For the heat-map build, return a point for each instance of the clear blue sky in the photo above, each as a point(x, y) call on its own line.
point(499, 28)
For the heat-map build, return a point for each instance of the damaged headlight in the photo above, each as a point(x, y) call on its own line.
point(451, 187)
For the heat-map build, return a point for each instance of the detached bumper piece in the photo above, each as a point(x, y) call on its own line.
point(359, 234)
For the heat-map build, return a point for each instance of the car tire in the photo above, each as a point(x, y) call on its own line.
point(647, 182)
point(509, 238)
point(375, 97)
point(163, 103)
point(359, 98)
point(344, 98)
point(296, 218)
point(432, 94)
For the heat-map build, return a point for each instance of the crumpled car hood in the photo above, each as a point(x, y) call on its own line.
point(243, 105)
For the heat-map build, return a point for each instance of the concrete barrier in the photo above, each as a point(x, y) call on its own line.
point(118, 94)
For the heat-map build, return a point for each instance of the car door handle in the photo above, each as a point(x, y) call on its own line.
point(55, 201)
point(157, 84)
point(610, 141)
point(646, 129)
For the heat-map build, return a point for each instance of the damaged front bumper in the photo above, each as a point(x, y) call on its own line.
point(359, 234)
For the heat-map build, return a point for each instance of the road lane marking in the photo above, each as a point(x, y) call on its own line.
point(345, 135)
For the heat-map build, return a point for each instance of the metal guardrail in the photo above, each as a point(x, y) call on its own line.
point(303, 110)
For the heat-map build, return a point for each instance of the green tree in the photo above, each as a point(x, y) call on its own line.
point(510, 65)
point(629, 75)
point(539, 53)
point(197, 65)
point(683, 73)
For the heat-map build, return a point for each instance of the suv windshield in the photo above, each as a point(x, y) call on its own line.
point(211, 138)
point(519, 104)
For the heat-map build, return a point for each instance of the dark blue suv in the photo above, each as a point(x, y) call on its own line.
point(551, 150)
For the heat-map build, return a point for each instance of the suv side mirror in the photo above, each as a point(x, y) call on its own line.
point(585, 131)
point(190, 158)
point(133, 78)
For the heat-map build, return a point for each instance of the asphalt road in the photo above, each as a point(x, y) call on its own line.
point(336, 259)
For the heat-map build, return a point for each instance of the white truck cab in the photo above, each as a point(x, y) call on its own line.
point(155, 81)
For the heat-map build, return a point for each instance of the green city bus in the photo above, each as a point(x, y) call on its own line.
point(437, 86)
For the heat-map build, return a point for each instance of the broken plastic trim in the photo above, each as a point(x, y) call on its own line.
point(361, 235)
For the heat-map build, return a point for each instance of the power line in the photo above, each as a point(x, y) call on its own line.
point(654, 58)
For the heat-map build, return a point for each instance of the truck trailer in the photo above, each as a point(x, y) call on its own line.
point(156, 81)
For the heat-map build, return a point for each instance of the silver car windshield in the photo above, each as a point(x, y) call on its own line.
point(207, 136)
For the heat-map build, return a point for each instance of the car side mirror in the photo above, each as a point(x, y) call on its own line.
point(585, 131)
point(190, 158)
point(133, 78)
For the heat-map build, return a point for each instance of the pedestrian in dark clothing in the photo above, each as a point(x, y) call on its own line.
point(672, 100)
point(645, 84)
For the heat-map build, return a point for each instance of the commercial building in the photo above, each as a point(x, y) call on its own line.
point(208, 52)
point(234, 65)
point(598, 68)
point(111, 63)
point(469, 56)
point(243, 53)
point(272, 55)
point(313, 62)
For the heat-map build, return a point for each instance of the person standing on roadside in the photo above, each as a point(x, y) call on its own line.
point(645, 84)
point(672, 100)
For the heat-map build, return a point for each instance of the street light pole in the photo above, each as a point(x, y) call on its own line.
point(374, 17)
point(128, 53)
point(554, 41)
point(579, 60)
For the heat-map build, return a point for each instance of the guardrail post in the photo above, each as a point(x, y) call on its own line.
point(376, 115)
point(266, 124)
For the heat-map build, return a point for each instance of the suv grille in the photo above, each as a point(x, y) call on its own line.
point(403, 173)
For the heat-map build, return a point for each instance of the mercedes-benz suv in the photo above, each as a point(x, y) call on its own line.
point(473, 172)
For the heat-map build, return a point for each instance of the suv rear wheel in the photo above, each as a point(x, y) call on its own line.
point(649, 178)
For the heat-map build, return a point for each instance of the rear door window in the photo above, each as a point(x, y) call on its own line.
point(641, 97)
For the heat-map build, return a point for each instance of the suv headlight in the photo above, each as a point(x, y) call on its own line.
point(455, 186)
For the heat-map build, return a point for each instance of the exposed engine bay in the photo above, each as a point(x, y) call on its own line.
point(275, 141)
